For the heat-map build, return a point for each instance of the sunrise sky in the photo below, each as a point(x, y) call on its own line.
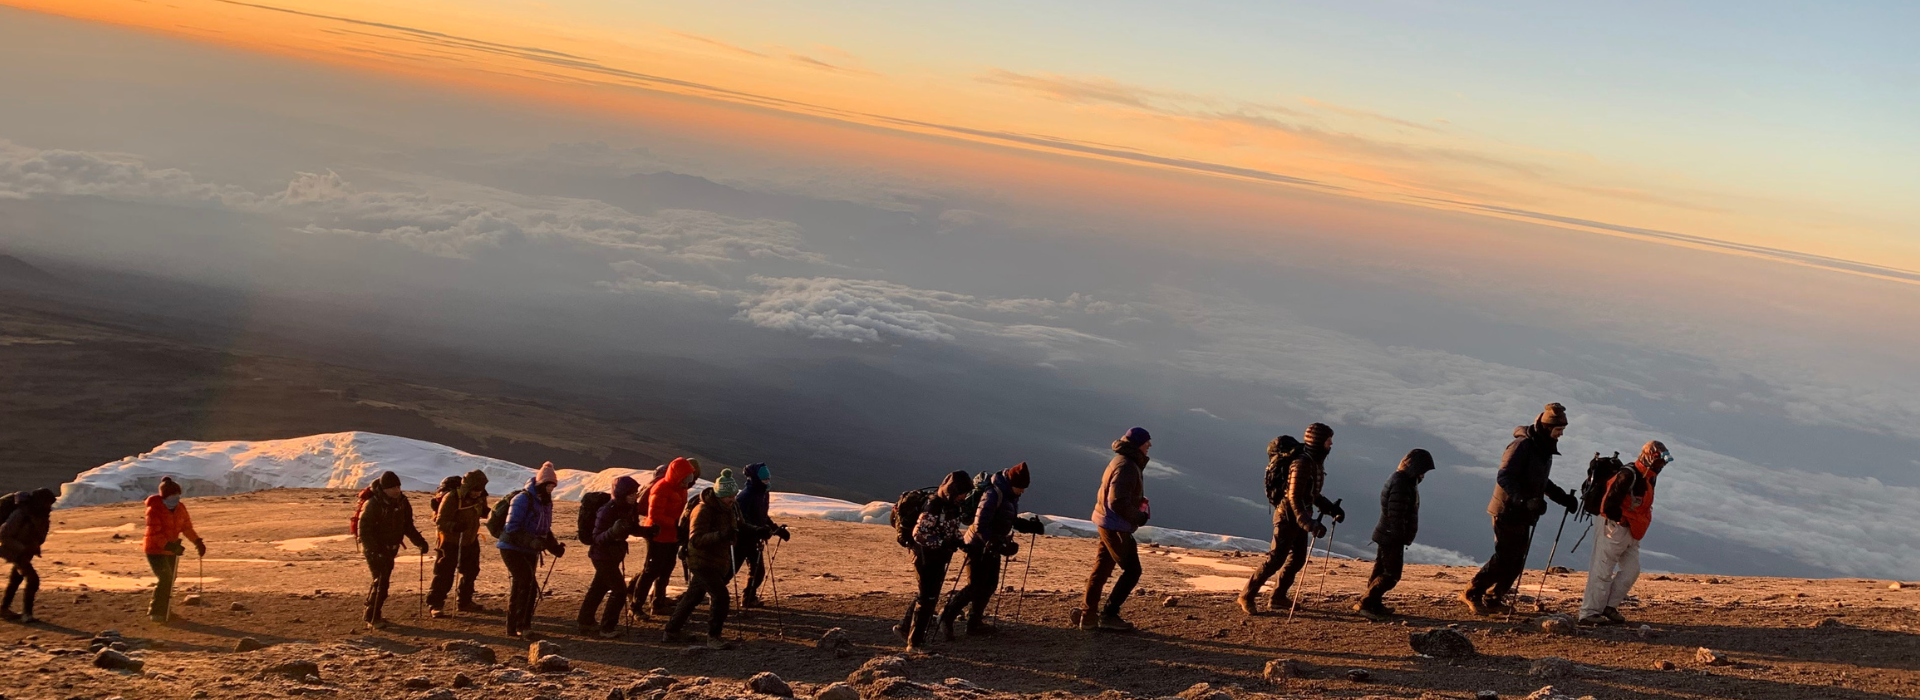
point(1772, 128)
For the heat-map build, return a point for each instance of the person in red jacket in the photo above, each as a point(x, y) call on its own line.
point(1627, 511)
point(167, 524)
point(666, 502)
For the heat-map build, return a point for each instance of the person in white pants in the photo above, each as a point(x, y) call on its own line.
point(1627, 511)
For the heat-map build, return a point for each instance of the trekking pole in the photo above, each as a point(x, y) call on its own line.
point(549, 578)
point(1539, 605)
point(1020, 608)
point(422, 590)
point(200, 579)
point(1583, 537)
point(1301, 590)
point(773, 579)
point(1327, 567)
point(1524, 556)
point(1001, 586)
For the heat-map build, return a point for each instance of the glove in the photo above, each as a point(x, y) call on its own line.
point(1568, 501)
point(557, 548)
point(782, 532)
point(1317, 530)
point(200, 547)
point(1031, 526)
point(1339, 514)
point(1009, 548)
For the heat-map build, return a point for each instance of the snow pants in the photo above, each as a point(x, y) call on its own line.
point(523, 568)
point(165, 568)
point(704, 586)
point(1388, 565)
point(380, 564)
point(750, 550)
point(1116, 549)
point(930, 574)
point(458, 554)
point(1512, 537)
point(1615, 566)
point(23, 572)
point(983, 580)
point(1292, 546)
point(609, 585)
point(654, 574)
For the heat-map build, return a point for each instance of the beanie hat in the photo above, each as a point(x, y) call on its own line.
point(625, 486)
point(725, 486)
point(1317, 435)
point(1137, 436)
point(1418, 461)
point(759, 470)
point(389, 480)
point(957, 484)
point(1554, 416)
point(168, 487)
point(546, 475)
point(1018, 477)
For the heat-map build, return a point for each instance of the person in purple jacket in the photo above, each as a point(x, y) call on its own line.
point(616, 520)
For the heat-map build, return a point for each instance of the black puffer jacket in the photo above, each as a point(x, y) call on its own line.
point(385, 521)
point(1400, 501)
point(24, 532)
point(1524, 472)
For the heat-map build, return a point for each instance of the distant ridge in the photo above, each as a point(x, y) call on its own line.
point(15, 271)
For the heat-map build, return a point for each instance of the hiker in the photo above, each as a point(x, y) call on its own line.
point(1520, 495)
point(1295, 498)
point(1119, 508)
point(616, 520)
point(457, 518)
point(167, 523)
point(666, 503)
point(1627, 511)
point(529, 531)
point(933, 537)
point(384, 520)
point(21, 536)
point(756, 527)
point(987, 543)
point(712, 528)
point(1399, 524)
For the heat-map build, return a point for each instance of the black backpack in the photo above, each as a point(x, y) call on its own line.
point(1280, 455)
point(906, 514)
point(971, 507)
point(1600, 472)
point(11, 502)
point(497, 520)
point(590, 506)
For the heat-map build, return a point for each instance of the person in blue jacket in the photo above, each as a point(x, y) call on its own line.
point(756, 527)
point(529, 532)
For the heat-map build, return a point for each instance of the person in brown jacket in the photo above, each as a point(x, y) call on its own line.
point(712, 526)
point(1119, 509)
point(458, 519)
point(1294, 525)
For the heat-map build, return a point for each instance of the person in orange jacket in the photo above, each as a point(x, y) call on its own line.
point(167, 524)
point(666, 501)
point(1627, 512)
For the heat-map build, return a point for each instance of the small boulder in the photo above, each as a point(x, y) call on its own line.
point(540, 650)
point(116, 661)
point(835, 641)
point(615, 694)
point(877, 668)
point(1896, 585)
point(471, 651)
point(1645, 632)
point(441, 694)
point(417, 683)
point(1441, 644)
point(513, 676)
point(1172, 601)
point(237, 606)
point(461, 680)
point(1551, 668)
point(192, 600)
point(1554, 624)
point(1359, 675)
point(653, 682)
point(1829, 623)
point(247, 644)
point(766, 683)
point(837, 691)
point(553, 663)
point(1663, 665)
point(1709, 657)
point(1279, 670)
point(1486, 695)
point(294, 669)
point(1204, 691)
point(895, 687)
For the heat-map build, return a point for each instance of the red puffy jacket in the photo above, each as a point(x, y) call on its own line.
point(667, 500)
point(165, 527)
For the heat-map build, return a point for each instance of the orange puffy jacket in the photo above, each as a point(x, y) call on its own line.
point(667, 500)
point(165, 527)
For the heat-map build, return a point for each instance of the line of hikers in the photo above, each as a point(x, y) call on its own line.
point(727, 526)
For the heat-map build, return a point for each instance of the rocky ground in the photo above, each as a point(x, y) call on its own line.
point(269, 583)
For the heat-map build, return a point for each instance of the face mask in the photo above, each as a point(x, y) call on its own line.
point(171, 501)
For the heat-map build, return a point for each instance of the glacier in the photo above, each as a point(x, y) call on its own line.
point(352, 460)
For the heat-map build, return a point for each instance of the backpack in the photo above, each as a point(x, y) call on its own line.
point(497, 520)
point(449, 486)
point(906, 514)
point(590, 506)
point(971, 507)
point(353, 523)
point(1600, 472)
point(1277, 464)
point(11, 502)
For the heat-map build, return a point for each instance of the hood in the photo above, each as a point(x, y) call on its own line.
point(41, 501)
point(1538, 434)
point(625, 486)
point(1418, 461)
point(1131, 452)
point(709, 498)
point(533, 485)
point(475, 480)
point(1000, 483)
point(958, 482)
point(679, 470)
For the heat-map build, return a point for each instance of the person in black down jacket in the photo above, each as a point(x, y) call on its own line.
point(1399, 524)
point(616, 520)
point(936, 534)
point(386, 518)
point(988, 542)
point(1520, 494)
point(21, 537)
point(1294, 525)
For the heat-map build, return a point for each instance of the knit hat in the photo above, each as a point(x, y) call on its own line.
point(759, 470)
point(625, 486)
point(1317, 435)
point(957, 484)
point(168, 487)
point(1418, 461)
point(1137, 436)
point(1554, 416)
point(389, 480)
point(1018, 477)
point(725, 487)
point(547, 475)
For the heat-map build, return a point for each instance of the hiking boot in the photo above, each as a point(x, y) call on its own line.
point(901, 632)
point(752, 602)
point(1596, 620)
point(1279, 600)
point(436, 613)
point(9, 615)
point(1498, 606)
point(919, 648)
point(1475, 604)
point(946, 629)
point(29, 619)
point(1614, 615)
point(981, 629)
point(531, 635)
point(1111, 622)
point(1374, 611)
point(586, 629)
point(377, 625)
point(609, 634)
point(718, 644)
point(1249, 601)
point(468, 606)
point(662, 606)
